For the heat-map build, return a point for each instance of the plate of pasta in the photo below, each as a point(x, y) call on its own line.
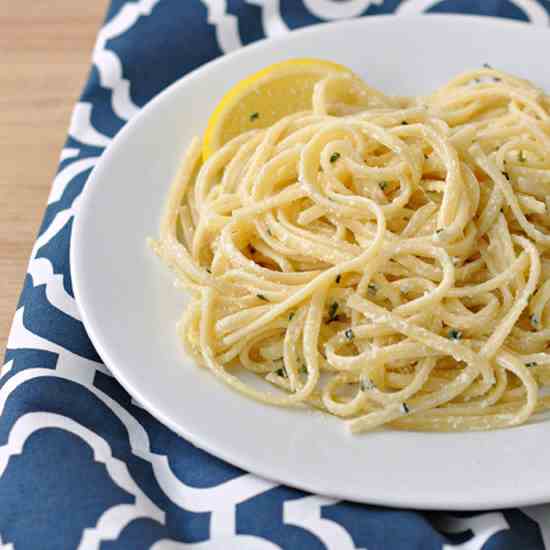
point(332, 269)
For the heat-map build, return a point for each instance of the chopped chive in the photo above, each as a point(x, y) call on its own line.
point(366, 384)
point(531, 364)
point(383, 185)
point(426, 156)
point(281, 372)
point(332, 312)
point(208, 270)
point(262, 297)
point(338, 278)
point(405, 408)
point(521, 156)
point(506, 175)
point(291, 316)
point(334, 157)
point(269, 232)
point(254, 116)
point(534, 320)
point(349, 334)
point(372, 288)
point(454, 334)
point(404, 122)
point(323, 355)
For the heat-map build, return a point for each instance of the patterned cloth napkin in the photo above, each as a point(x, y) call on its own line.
point(81, 464)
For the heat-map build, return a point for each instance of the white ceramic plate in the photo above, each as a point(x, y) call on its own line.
point(130, 306)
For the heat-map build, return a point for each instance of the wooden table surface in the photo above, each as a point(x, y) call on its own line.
point(45, 49)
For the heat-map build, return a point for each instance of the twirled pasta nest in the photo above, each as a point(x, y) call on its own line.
point(385, 260)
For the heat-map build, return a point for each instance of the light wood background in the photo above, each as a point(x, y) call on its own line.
point(45, 49)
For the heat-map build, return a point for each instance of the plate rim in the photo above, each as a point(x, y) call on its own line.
point(399, 501)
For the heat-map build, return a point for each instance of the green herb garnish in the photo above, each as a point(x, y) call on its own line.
point(506, 175)
point(531, 364)
point(366, 384)
point(338, 278)
point(262, 297)
point(334, 157)
point(332, 312)
point(405, 408)
point(349, 334)
point(281, 372)
point(291, 316)
point(254, 116)
point(383, 185)
point(521, 156)
point(455, 334)
point(372, 288)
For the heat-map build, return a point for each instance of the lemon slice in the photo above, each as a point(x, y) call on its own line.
point(265, 97)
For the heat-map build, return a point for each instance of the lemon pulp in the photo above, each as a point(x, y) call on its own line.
point(265, 97)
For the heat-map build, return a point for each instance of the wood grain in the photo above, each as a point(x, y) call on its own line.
point(45, 49)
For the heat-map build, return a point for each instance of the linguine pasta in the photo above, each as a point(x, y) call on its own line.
point(383, 259)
